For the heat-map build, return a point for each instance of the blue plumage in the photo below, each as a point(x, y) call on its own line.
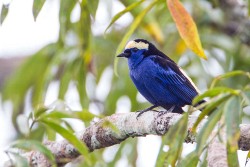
point(157, 77)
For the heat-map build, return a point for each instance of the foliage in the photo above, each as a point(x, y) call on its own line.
point(92, 54)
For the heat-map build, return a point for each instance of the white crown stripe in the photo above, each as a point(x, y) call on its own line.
point(138, 45)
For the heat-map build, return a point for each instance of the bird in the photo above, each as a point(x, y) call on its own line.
point(158, 78)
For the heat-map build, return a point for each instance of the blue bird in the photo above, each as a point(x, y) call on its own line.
point(158, 78)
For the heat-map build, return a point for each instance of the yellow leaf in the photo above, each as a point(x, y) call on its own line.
point(154, 30)
point(180, 47)
point(186, 27)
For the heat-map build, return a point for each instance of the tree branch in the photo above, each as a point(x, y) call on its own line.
point(217, 152)
point(100, 135)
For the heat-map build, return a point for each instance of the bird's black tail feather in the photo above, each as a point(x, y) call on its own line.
point(199, 103)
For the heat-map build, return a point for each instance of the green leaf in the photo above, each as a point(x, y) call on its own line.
point(190, 160)
point(24, 78)
point(66, 7)
point(19, 161)
point(45, 76)
point(81, 147)
point(203, 161)
point(34, 145)
point(232, 111)
point(121, 13)
point(40, 111)
point(37, 6)
point(50, 133)
point(93, 5)
point(108, 124)
point(178, 132)
point(85, 115)
point(118, 154)
point(214, 92)
point(130, 31)
point(246, 97)
point(206, 130)
point(4, 12)
point(85, 32)
point(214, 103)
point(227, 75)
point(81, 73)
point(56, 115)
point(248, 7)
point(65, 80)
point(37, 133)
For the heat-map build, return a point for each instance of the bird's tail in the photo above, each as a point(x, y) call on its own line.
point(199, 103)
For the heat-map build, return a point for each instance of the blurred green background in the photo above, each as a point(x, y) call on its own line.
point(83, 60)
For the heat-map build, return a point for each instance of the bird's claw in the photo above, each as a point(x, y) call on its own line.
point(140, 113)
point(167, 111)
point(145, 110)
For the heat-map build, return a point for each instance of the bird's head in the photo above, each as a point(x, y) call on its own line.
point(136, 47)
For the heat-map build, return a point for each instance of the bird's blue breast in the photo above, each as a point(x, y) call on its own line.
point(161, 85)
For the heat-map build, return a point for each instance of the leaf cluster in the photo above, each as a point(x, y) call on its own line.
point(86, 63)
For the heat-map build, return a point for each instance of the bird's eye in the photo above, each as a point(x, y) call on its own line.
point(135, 49)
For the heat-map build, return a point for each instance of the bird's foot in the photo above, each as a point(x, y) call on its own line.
point(167, 111)
point(145, 110)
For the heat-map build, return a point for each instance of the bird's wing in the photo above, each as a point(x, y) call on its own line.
point(175, 79)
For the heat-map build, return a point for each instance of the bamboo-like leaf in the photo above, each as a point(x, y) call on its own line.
point(37, 133)
point(40, 85)
point(108, 124)
point(121, 13)
point(34, 145)
point(4, 12)
point(118, 154)
point(19, 161)
point(206, 130)
point(177, 132)
point(203, 161)
point(85, 115)
point(190, 160)
point(154, 29)
point(81, 83)
point(37, 6)
point(180, 47)
point(19, 83)
point(56, 115)
point(248, 7)
point(65, 80)
point(93, 5)
point(66, 7)
point(85, 32)
point(130, 31)
point(246, 98)
point(81, 147)
point(50, 133)
point(232, 111)
point(214, 92)
point(40, 111)
point(186, 27)
point(228, 75)
point(213, 104)
point(150, 24)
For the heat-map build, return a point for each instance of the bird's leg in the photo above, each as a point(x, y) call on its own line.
point(145, 110)
point(167, 111)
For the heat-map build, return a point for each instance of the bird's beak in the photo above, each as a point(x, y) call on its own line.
point(124, 55)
